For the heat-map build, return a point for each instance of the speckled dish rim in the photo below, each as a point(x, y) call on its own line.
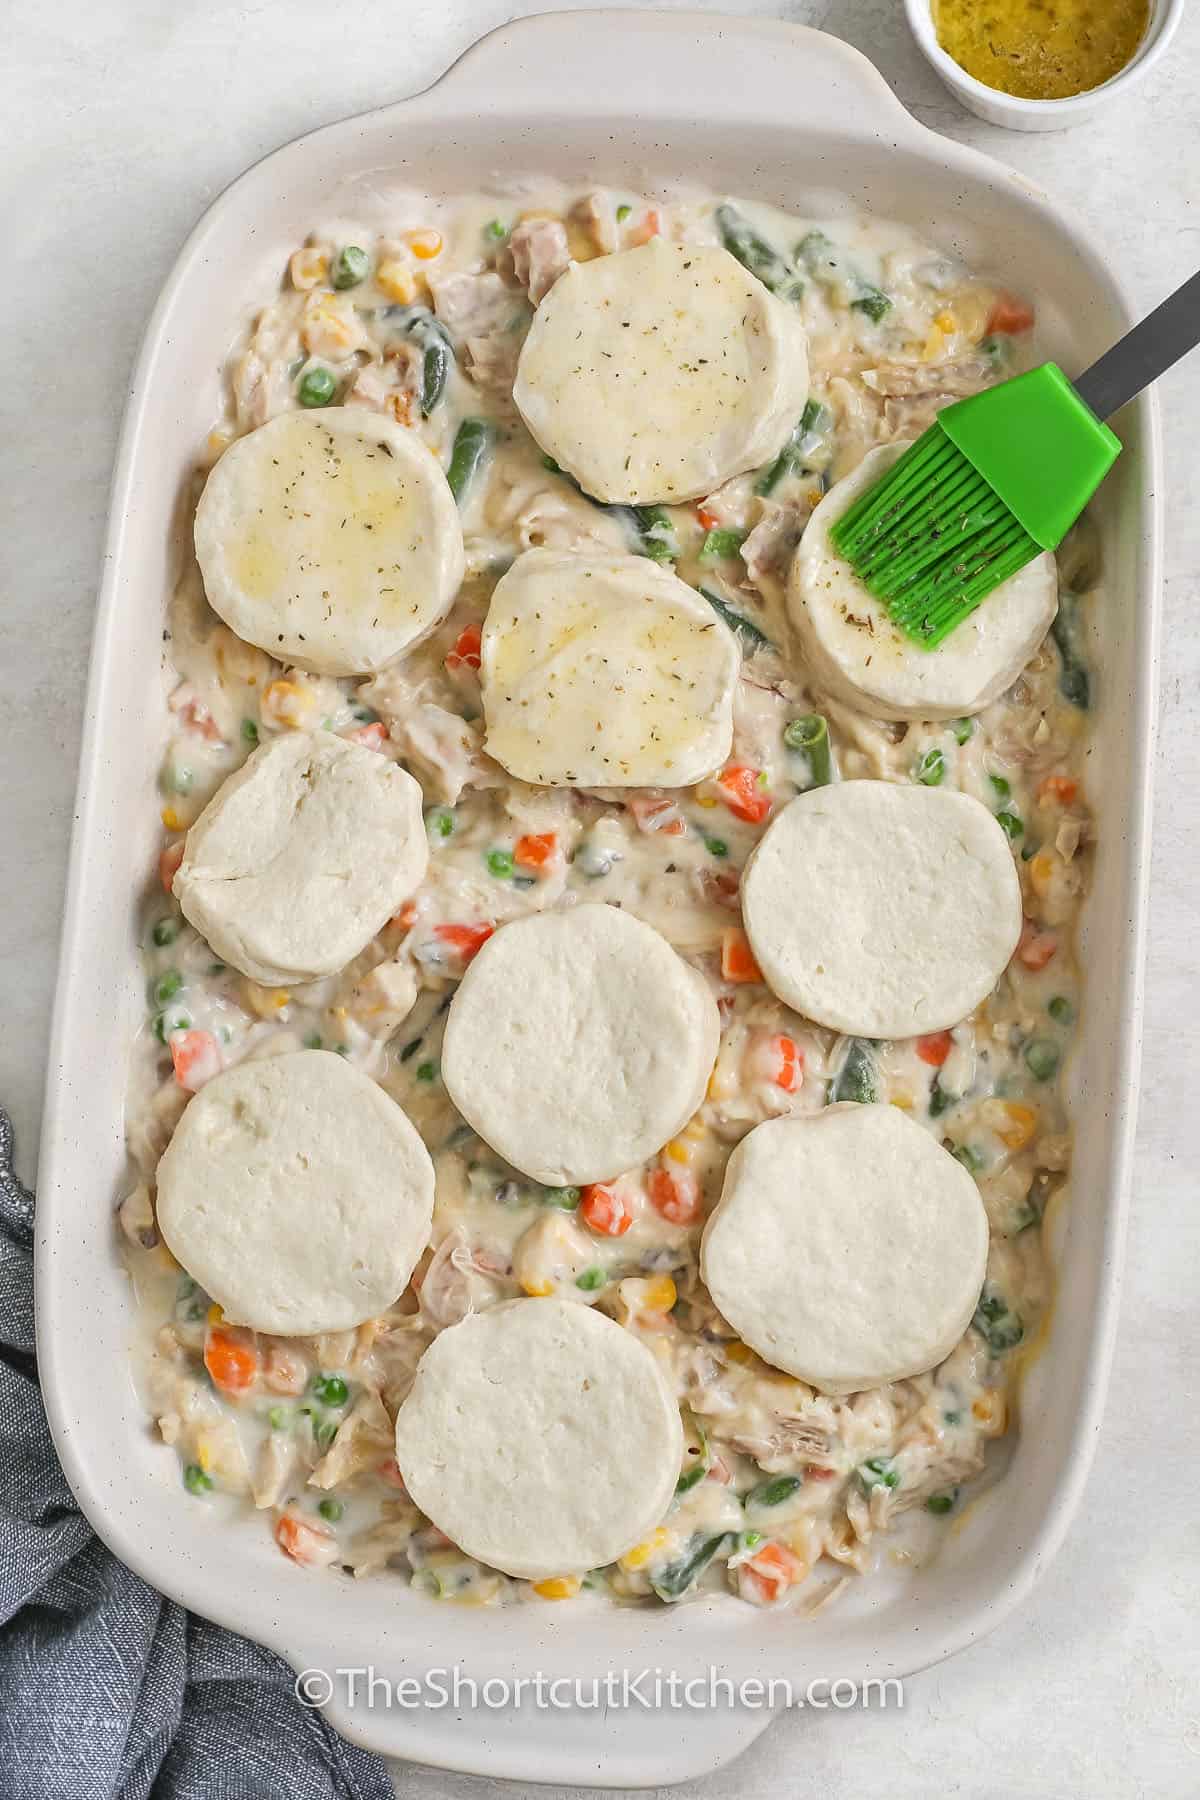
point(633, 97)
point(1018, 114)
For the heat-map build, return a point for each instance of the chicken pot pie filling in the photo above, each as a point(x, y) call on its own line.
point(785, 1491)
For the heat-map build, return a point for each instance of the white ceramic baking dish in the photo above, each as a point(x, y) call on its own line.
point(640, 98)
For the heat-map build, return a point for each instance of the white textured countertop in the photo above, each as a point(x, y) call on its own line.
point(123, 120)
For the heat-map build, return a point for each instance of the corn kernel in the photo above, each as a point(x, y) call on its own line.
point(263, 1002)
point(214, 1315)
point(946, 321)
point(990, 1412)
point(218, 442)
point(695, 1127)
point(738, 1352)
point(640, 1555)
point(559, 1587)
point(1041, 872)
point(1022, 1123)
point(660, 1294)
point(931, 349)
point(538, 1290)
point(308, 267)
point(425, 244)
point(680, 1152)
point(204, 1454)
point(397, 280)
point(171, 819)
point(902, 1097)
point(287, 702)
point(705, 800)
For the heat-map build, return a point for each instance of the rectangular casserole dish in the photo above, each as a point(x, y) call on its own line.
point(640, 99)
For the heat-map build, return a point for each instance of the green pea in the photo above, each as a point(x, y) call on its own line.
point(440, 822)
point(941, 1503)
point(775, 1491)
point(332, 1510)
point(623, 213)
point(931, 770)
point(1061, 1010)
point(349, 267)
point(1010, 823)
point(716, 846)
point(495, 230)
point(879, 1471)
point(566, 1199)
point(427, 1071)
point(1000, 787)
point(164, 1026)
point(952, 1418)
point(277, 1417)
point(249, 727)
point(962, 730)
point(591, 1279)
point(1041, 1058)
point(166, 987)
point(164, 932)
point(500, 863)
point(181, 779)
point(317, 388)
point(195, 1480)
point(313, 1041)
point(331, 1390)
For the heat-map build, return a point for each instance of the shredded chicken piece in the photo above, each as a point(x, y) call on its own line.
point(768, 551)
point(540, 254)
point(364, 1440)
point(597, 215)
point(476, 306)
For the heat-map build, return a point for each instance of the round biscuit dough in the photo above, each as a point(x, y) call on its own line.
point(302, 856)
point(860, 657)
point(881, 909)
point(330, 539)
point(653, 375)
point(848, 1247)
point(579, 1042)
point(540, 1437)
point(297, 1193)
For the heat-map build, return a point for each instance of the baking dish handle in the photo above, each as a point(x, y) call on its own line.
point(671, 65)
point(627, 1744)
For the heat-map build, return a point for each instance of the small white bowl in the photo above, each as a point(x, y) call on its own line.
point(1042, 115)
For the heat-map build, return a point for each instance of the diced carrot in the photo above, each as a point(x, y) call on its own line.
point(648, 226)
point(304, 1541)
point(769, 1573)
point(709, 520)
point(371, 737)
point(742, 793)
point(1036, 946)
point(169, 860)
point(465, 653)
point(536, 852)
point(406, 918)
point(606, 1211)
point(789, 1072)
point(196, 715)
point(230, 1358)
point(467, 940)
point(197, 1058)
point(1009, 315)
point(737, 958)
point(935, 1048)
point(675, 1193)
point(1058, 790)
point(815, 1472)
point(656, 812)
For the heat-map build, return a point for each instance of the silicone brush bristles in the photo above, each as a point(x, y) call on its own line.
point(932, 539)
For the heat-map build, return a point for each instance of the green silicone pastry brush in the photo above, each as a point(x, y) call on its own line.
point(1000, 477)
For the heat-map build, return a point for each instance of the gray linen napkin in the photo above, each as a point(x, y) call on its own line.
point(108, 1691)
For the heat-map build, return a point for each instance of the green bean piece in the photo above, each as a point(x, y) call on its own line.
point(427, 1071)
point(963, 730)
point(931, 770)
point(1000, 787)
point(754, 253)
point(939, 1100)
point(857, 1079)
point(331, 1509)
point(410, 1049)
point(1061, 1010)
point(440, 822)
point(716, 846)
point(655, 532)
point(752, 638)
point(349, 267)
point(1011, 823)
point(940, 1504)
point(808, 736)
point(789, 461)
point(969, 1158)
point(195, 1480)
point(679, 1576)
point(249, 731)
point(472, 444)
point(775, 1491)
point(331, 1390)
point(591, 1279)
point(719, 545)
point(872, 301)
point(566, 1199)
point(317, 388)
point(1074, 683)
point(164, 932)
point(995, 1320)
point(879, 1471)
point(691, 1477)
point(1041, 1058)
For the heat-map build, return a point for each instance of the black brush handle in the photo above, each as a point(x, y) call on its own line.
point(1144, 353)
